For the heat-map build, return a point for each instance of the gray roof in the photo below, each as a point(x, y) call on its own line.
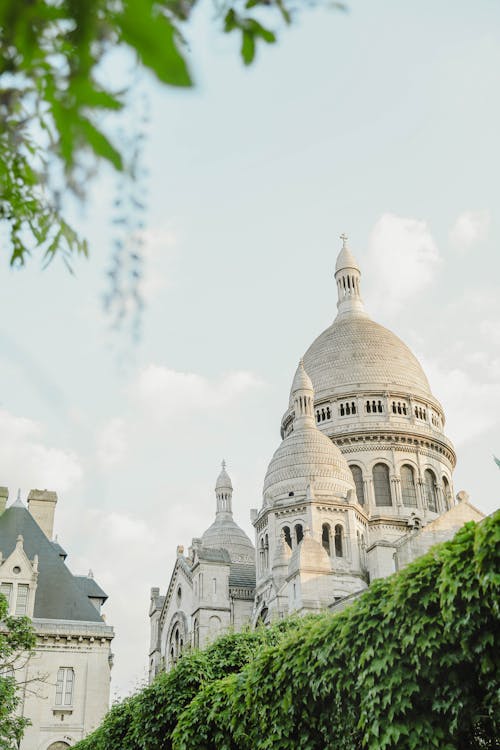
point(90, 587)
point(58, 594)
point(242, 575)
point(211, 554)
point(60, 551)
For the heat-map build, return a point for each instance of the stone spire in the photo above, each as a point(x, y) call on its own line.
point(348, 278)
point(303, 399)
point(224, 491)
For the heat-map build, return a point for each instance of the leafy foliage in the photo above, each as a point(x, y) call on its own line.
point(16, 638)
point(147, 719)
point(53, 96)
point(411, 664)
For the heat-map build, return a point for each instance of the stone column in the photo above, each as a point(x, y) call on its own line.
point(369, 495)
point(396, 490)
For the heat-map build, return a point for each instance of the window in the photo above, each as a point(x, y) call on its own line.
point(64, 686)
point(288, 536)
point(325, 537)
point(447, 492)
point(22, 599)
point(381, 485)
point(430, 489)
point(200, 579)
point(196, 633)
point(357, 475)
point(408, 489)
point(299, 533)
point(399, 407)
point(348, 407)
point(374, 407)
point(6, 590)
point(338, 541)
point(214, 586)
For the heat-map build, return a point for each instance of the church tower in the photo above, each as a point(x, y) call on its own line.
point(373, 400)
point(310, 529)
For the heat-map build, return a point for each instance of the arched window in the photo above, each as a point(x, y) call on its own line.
point(266, 551)
point(299, 533)
point(381, 485)
point(430, 489)
point(339, 546)
point(262, 553)
point(342, 410)
point(357, 475)
point(325, 537)
point(408, 489)
point(328, 412)
point(196, 633)
point(447, 493)
point(288, 536)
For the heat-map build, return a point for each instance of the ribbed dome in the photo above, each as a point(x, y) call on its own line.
point(225, 533)
point(303, 457)
point(355, 352)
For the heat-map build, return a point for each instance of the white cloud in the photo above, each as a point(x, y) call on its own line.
point(28, 462)
point(469, 402)
point(470, 228)
point(165, 392)
point(112, 442)
point(402, 258)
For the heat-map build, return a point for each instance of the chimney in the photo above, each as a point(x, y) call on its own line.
point(42, 506)
point(4, 495)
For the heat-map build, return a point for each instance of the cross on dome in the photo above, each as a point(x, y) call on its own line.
point(344, 239)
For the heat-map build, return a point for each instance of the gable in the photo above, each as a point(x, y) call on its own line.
point(58, 596)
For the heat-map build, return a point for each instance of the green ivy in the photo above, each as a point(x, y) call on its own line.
point(411, 664)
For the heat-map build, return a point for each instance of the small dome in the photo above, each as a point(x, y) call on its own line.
point(306, 456)
point(226, 534)
point(223, 480)
point(309, 554)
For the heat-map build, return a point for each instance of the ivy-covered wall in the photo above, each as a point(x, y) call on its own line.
point(412, 664)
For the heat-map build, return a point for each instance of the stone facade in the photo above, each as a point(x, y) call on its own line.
point(360, 485)
point(211, 588)
point(65, 682)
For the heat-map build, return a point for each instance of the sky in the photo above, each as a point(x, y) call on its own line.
point(381, 122)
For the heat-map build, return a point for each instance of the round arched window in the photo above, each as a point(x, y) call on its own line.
point(179, 596)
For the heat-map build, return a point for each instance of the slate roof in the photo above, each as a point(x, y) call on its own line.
point(242, 575)
point(58, 594)
point(211, 554)
point(90, 587)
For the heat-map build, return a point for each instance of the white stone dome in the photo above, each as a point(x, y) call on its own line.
point(356, 353)
point(307, 457)
point(226, 534)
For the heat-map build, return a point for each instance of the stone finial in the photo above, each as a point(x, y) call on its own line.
point(463, 496)
point(344, 239)
point(155, 592)
point(180, 550)
point(90, 574)
point(19, 541)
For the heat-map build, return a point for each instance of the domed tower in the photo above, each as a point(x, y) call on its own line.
point(374, 401)
point(310, 530)
point(224, 532)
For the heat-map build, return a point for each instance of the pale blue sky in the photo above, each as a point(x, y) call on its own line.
point(382, 122)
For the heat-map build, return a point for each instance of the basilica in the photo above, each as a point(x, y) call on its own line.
point(360, 485)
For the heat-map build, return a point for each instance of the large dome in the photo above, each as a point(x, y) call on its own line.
point(355, 352)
